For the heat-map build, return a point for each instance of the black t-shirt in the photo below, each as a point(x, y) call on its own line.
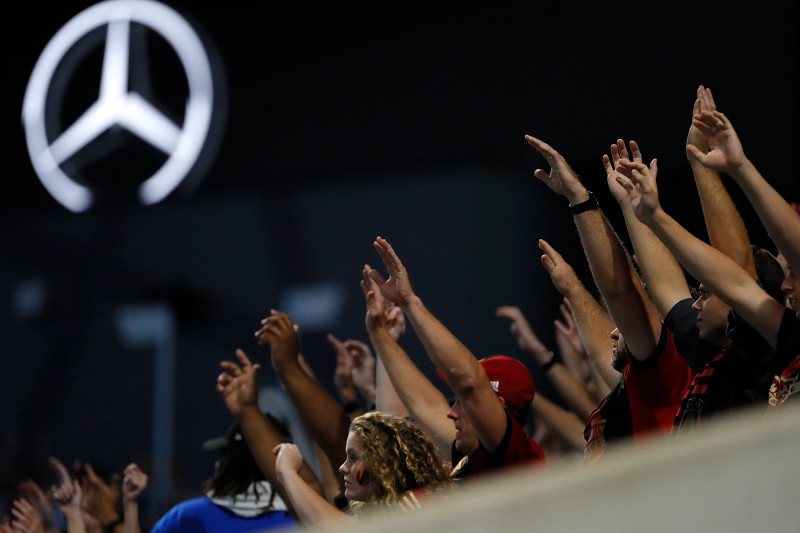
point(725, 378)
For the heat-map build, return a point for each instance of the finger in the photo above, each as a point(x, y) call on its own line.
point(635, 166)
point(543, 148)
point(696, 153)
point(607, 164)
point(231, 367)
point(550, 251)
point(394, 265)
point(705, 121)
point(333, 340)
point(614, 154)
point(710, 104)
point(376, 278)
point(697, 107)
point(506, 311)
point(243, 359)
point(720, 119)
point(542, 175)
point(623, 150)
point(635, 152)
point(654, 168)
point(625, 182)
point(59, 469)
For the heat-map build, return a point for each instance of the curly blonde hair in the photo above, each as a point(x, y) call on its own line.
point(400, 458)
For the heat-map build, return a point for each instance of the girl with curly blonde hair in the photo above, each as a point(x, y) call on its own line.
point(390, 464)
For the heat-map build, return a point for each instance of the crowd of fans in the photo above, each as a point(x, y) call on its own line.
point(646, 358)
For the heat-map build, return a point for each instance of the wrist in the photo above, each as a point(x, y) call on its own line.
point(547, 365)
point(583, 203)
point(740, 169)
point(411, 302)
point(578, 196)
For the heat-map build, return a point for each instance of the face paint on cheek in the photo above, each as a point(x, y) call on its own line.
point(362, 479)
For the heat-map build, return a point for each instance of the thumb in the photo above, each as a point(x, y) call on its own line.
point(695, 153)
point(654, 167)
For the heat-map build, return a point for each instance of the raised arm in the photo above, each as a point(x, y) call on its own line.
point(611, 267)
point(322, 415)
point(68, 494)
point(571, 390)
point(133, 484)
point(460, 368)
point(666, 284)
point(425, 403)
point(726, 155)
point(722, 275)
point(726, 231)
point(343, 378)
point(312, 509)
point(567, 425)
point(237, 386)
point(594, 324)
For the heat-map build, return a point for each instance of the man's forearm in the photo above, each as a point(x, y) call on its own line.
point(726, 230)
point(778, 217)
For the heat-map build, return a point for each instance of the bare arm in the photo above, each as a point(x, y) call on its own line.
point(725, 226)
point(722, 275)
point(426, 404)
point(134, 482)
point(322, 415)
point(726, 155)
point(571, 390)
point(68, 495)
point(611, 268)
point(594, 325)
point(237, 385)
point(565, 424)
point(666, 284)
point(460, 368)
point(311, 507)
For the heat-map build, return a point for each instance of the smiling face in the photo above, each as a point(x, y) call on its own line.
point(466, 440)
point(712, 317)
point(354, 470)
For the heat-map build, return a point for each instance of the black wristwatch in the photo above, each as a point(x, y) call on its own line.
point(588, 205)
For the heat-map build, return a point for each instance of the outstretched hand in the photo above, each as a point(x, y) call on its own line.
point(133, 482)
point(237, 384)
point(30, 491)
point(568, 329)
point(696, 137)
point(725, 152)
point(66, 492)
point(280, 333)
point(620, 152)
point(640, 184)
point(397, 287)
point(288, 458)
point(522, 331)
point(395, 319)
point(25, 518)
point(375, 318)
point(363, 367)
point(343, 373)
point(561, 273)
point(561, 178)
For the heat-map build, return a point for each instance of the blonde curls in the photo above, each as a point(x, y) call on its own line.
point(399, 456)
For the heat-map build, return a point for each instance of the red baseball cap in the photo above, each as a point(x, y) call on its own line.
point(510, 379)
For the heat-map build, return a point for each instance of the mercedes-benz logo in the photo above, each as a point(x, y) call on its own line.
point(117, 105)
